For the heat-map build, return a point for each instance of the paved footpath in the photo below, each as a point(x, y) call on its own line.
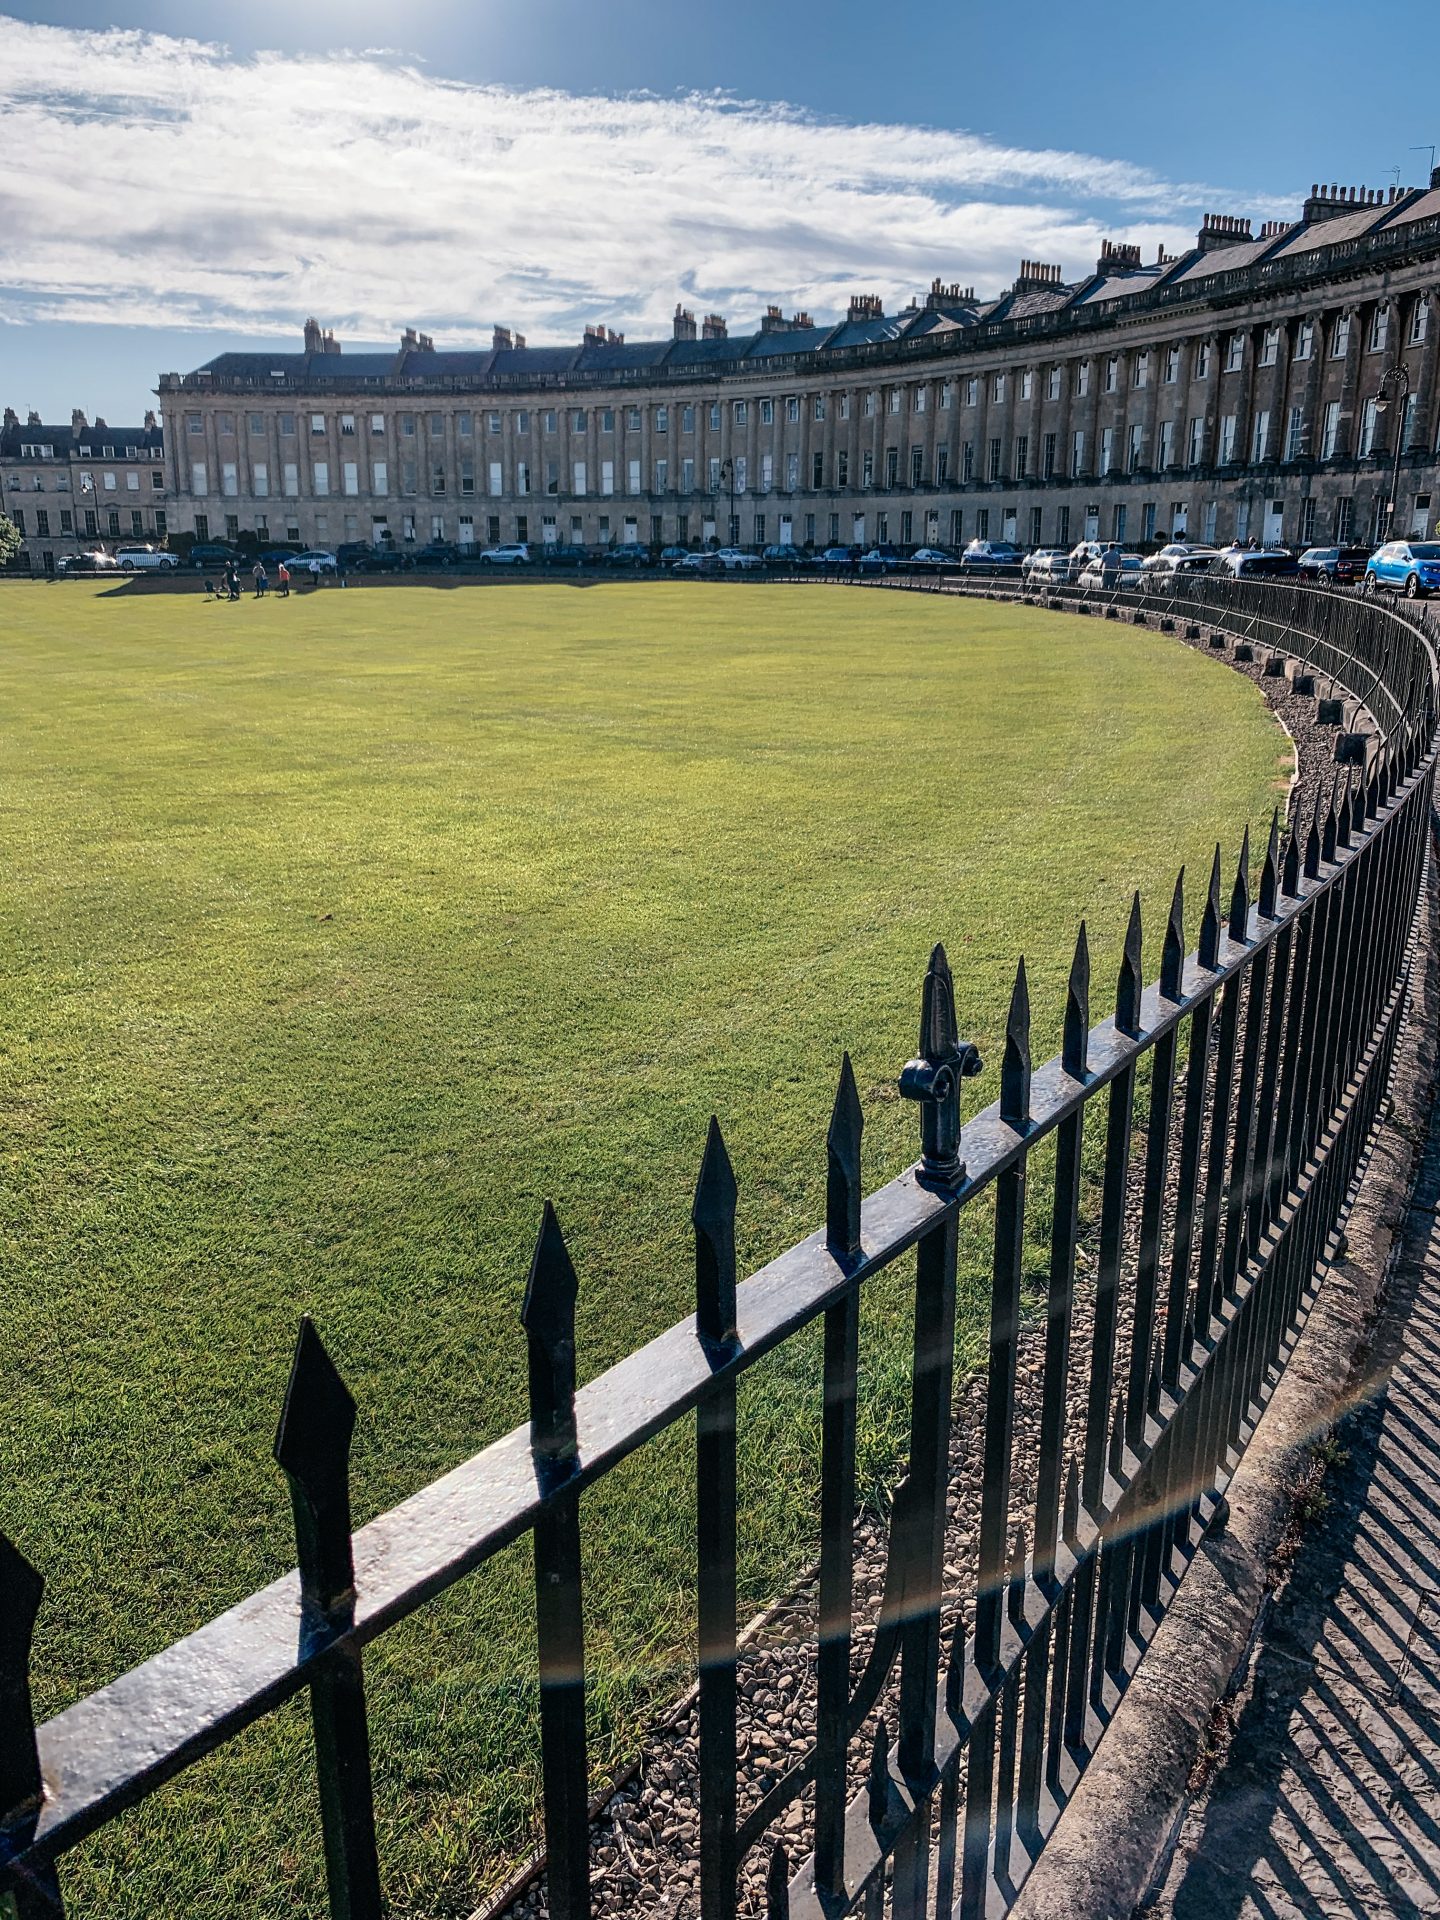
point(1328, 1800)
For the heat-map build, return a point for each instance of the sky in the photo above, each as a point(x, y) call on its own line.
point(179, 181)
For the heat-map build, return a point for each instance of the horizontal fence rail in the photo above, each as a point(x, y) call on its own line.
point(1258, 1064)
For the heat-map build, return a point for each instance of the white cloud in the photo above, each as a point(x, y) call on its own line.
point(157, 181)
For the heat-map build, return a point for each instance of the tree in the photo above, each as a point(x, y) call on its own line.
point(9, 540)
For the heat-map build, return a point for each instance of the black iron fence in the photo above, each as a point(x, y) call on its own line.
point(1258, 1063)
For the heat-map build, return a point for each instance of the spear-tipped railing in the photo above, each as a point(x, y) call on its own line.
point(1267, 1053)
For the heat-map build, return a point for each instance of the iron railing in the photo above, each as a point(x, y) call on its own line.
point(1260, 1062)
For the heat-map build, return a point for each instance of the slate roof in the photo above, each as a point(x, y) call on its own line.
point(67, 442)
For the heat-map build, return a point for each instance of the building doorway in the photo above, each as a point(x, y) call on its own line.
point(1274, 522)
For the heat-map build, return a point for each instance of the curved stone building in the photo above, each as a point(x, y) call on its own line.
point(1232, 391)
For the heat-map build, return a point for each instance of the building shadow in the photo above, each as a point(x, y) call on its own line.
point(1328, 1800)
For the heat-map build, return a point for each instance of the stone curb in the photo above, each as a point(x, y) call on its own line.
point(1113, 1843)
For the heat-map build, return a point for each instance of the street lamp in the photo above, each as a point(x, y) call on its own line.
point(1398, 378)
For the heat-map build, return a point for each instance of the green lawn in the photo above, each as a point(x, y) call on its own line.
point(338, 932)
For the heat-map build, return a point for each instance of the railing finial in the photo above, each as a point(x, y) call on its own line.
point(1210, 918)
point(21, 1590)
point(1130, 985)
point(843, 1192)
point(312, 1445)
point(1015, 1067)
point(1240, 894)
point(1270, 869)
point(548, 1316)
point(1074, 1054)
point(712, 1214)
point(934, 1077)
point(1172, 954)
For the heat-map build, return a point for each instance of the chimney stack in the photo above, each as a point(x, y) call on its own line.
point(684, 323)
point(1035, 274)
point(151, 423)
point(952, 294)
point(1222, 230)
point(501, 340)
point(1117, 256)
point(713, 327)
point(32, 419)
point(78, 422)
point(865, 306)
point(314, 339)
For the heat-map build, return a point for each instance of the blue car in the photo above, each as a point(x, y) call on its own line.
point(1411, 567)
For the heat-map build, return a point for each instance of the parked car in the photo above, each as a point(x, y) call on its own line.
point(1157, 567)
point(784, 555)
point(435, 553)
point(96, 560)
point(1047, 563)
point(1112, 569)
point(991, 553)
point(145, 560)
point(213, 553)
point(314, 561)
point(698, 563)
point(839, 557)
point(671, 556)
point(1333, 566)
point(881, 559)
point(1086, 550)
point(557, 553)
point(933, 557)
point(514, 553)
point(736, 559)
point(630, 554)
point(1268, 563)
point(1411, 567)
point(371, 559)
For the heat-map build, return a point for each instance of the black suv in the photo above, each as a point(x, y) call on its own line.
point(356, 556)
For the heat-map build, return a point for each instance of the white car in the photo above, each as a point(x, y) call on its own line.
point(1123, 570)
point(1178, 559)
point(314, 561)
point(145, 559)
point(736, 557)
point(514, 554)
point(1047, 563)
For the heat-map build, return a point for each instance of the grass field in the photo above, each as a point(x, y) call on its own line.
point(338, 932)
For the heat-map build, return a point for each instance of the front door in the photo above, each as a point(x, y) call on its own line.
point(1092, 523)
point(1274, 522)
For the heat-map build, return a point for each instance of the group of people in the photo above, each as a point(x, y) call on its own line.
point(229, 586)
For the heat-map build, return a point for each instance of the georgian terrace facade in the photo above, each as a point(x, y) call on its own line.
point(1229, 392)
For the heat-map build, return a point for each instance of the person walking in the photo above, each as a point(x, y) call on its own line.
point(261, 578)
point(283, 577)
